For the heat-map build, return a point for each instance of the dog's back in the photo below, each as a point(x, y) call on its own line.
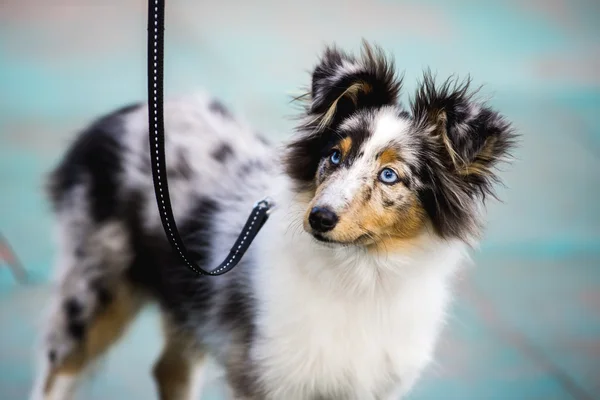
point(113, 255)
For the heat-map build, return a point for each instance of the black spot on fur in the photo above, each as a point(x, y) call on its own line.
point(149, 250)
point(236, 315)
point(388, 203)
point(179, 167)
point(94, 159)
point(79, 251)
point(368, 193)
point(158, 268)
point(72, 308)
point(76, 329)
point(236, 310)
point(251, 166)
point(218, 107)
point(52, 356)
point(222, 153)
point(197, 226)
point(102, 292)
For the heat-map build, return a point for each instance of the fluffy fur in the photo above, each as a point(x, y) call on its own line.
point(343, 293)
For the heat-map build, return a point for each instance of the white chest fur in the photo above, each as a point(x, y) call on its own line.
point(323, 336)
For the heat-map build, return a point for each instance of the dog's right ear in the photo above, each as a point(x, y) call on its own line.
point(342, 84)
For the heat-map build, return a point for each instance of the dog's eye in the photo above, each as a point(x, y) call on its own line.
point(335, 157)
point(388, 176)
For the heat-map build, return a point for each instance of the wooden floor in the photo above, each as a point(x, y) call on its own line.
point(526, 324)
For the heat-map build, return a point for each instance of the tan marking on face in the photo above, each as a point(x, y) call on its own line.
point(345, 145)
point(384, 223)
point(399, 228)
point(368, 221)
point(388, 156)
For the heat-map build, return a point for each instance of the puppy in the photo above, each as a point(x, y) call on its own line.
point(343, 293)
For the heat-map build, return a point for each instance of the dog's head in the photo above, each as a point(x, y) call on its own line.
point(377, 173)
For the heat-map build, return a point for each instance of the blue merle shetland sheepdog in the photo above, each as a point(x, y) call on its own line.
point(344, 291)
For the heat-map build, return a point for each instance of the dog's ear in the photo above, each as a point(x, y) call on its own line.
point(342, 84)
point(470, 137)
point(466, 139)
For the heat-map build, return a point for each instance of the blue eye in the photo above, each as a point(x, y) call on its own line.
point(387, 175)
point(335, 157)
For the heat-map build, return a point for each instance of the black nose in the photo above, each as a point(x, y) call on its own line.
point(322, 219)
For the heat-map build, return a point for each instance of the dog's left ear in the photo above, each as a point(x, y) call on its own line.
point(470, 138)
point(342, 84)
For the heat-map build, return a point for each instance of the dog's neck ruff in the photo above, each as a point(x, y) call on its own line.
point(260, 212)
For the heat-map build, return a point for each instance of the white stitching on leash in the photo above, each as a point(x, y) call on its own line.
point(155, 78)
point(163, 209)
point(260, 207)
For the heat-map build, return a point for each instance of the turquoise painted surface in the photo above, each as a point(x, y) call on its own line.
point(526, 324)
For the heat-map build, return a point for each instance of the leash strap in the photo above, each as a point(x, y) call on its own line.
point(260, 212)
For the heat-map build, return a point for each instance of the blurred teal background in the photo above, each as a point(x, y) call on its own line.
point(526, 324)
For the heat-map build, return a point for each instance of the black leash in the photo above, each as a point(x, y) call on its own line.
point(260, 213)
